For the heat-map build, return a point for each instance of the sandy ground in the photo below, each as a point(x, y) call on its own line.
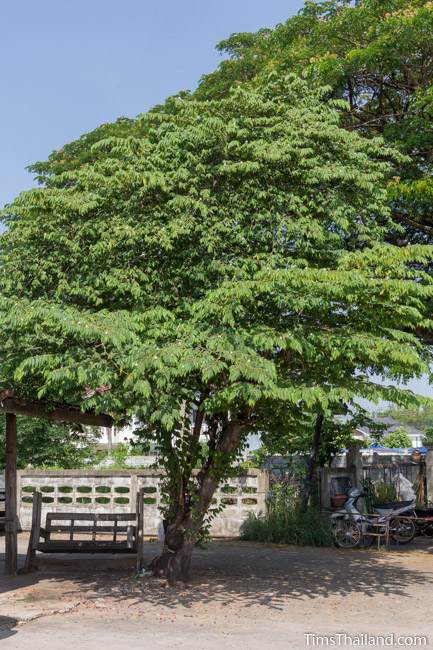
point(241, 595)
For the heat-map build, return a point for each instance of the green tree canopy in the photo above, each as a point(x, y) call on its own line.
point(398, 438)
point(377, 55)
point(45, 444)
point(428, 437)
point(337, 433)
point(220, 267)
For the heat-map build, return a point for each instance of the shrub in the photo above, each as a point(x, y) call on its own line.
point(284, 523)
point(308, 528)
point(397, 439)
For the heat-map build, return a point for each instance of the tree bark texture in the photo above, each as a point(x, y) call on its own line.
point(186, 522)
point(312, 463)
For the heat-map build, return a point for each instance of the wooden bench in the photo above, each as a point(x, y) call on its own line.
point(123, 532)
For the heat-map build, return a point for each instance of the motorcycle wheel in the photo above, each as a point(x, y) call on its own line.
point(402, 530)
point(347, 533)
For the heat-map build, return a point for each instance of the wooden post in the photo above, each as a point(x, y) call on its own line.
point(429, 474)
point(11, 494)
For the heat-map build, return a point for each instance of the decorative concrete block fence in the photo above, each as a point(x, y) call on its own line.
point(115, 491)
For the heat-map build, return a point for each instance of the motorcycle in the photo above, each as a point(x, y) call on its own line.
point(353, 529)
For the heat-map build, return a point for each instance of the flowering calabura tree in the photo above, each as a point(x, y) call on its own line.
point(217, 266)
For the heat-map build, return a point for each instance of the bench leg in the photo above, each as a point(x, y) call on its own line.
point(29, 564)
point(34, 533)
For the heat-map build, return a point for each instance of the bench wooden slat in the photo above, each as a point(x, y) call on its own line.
point(86, 516)
point(53, 528)
point(77, 546)
point(81, 542)
point(91, 550)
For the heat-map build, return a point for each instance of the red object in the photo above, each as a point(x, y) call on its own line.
point(338, 501)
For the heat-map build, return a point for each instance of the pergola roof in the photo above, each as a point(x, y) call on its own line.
point(54, 412)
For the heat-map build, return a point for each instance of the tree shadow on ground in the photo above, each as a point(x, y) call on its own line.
point(6, 627)
point(253, 574)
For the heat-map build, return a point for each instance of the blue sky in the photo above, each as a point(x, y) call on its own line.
point(66, 67)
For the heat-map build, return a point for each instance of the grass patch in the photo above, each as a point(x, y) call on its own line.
point(284, 523)
point(308, 528)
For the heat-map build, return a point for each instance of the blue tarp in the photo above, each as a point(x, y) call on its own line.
point(376, 445)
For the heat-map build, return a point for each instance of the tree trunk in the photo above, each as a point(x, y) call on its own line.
point(312, 462)
point(173, 565)
point(175, 560)
point(186, 522)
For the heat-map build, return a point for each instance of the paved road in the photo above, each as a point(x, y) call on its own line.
point(91, 632)
point(242, 596)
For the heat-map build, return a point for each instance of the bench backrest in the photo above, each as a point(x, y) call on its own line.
point(89, 523)
point(127, 524)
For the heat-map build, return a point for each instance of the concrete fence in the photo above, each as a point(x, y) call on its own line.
point(115, 491)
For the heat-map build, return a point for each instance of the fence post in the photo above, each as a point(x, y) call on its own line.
point(133, 486)
point(263, 483)
point(325, 487)
point(429, 475)
point(354, 464)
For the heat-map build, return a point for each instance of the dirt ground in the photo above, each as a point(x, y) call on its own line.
point(241, 594)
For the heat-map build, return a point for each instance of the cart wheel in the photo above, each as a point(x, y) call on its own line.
point(402, 530)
